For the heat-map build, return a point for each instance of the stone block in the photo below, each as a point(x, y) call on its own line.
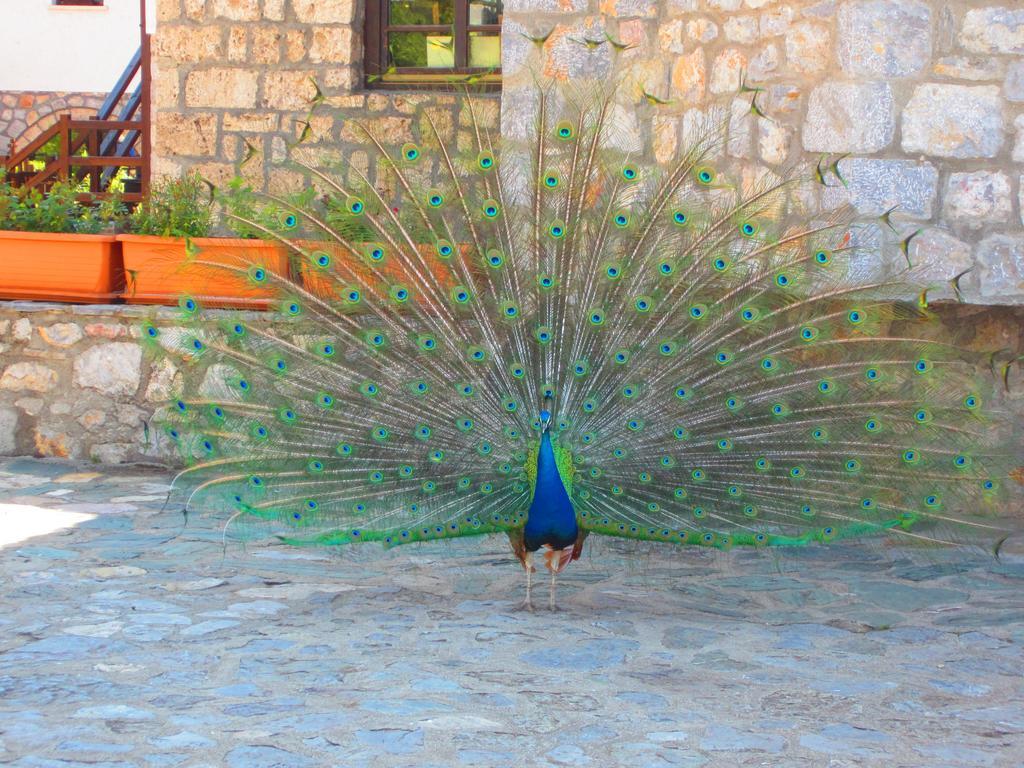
point(1018, 145)
point(689, 77)
point(773, 141)
point(187, 43)
point(236, 10)
point(273, 10)
point(776, 21)
point(764, 64)
point(671, 36)
point(295, 45)
point(166, 87)
point(1000, 261)
point(105, 330)
point(666, 138)
point(516, 50)
point(168, 10)
point(849, 117)
point(62, 335)
point(701, 30)
point(741, 29)
point(185, 134)
point(266, 45)
point(727, 71)
point(221, 87)
point(953, 121)
point(884, 38)
point(237, 46)
point(808, 47)
point(978, 198)
point(393, 129)
point(331, 45)
point(93, 418)
point(324, 11)
point(993, 30)
point(22, 329)
point(646, 9)
point(1013, 84)
point(27, 376)
point(288, 89)
point(938, 257)
point(113, 368)
point(567, 59)
point(969, 67)
point(8, 431)
point(251, 122)
point(874, 186)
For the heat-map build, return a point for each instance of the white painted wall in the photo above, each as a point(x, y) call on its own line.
point(44, 47)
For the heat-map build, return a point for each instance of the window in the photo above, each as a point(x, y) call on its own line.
point(423, 43)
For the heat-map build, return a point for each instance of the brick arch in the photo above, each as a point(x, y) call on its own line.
point(23, 116)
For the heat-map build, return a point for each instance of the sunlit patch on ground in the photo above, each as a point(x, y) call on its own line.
point(20, 522)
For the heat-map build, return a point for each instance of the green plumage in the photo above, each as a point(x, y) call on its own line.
point(717, 373)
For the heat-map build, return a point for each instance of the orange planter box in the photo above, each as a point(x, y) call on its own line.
point(159, 271)
point(353, 268)
point(50, 266)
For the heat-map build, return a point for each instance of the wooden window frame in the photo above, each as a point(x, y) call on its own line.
point(375, 65)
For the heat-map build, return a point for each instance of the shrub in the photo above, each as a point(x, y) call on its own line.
point(175, 208)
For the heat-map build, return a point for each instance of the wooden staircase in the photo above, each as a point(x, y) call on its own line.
point(91, 152)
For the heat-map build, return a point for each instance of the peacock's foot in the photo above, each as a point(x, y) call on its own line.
point(526, 606)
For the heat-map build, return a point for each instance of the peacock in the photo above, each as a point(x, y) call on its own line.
point(540, 335)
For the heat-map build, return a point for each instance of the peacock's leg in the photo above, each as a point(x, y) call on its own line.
point(528, 567)
point(551, 593)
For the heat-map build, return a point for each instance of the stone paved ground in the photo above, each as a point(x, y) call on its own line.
point(129, 640)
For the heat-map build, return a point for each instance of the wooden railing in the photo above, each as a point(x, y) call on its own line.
point(92, 151)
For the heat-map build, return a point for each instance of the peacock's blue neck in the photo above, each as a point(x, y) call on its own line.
point(552, 518)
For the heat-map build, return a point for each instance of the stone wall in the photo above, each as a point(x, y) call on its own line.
point(26, 114)
point(233, 80)
point(74, 381)
point(923, 98)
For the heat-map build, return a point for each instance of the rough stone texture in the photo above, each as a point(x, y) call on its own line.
point(136, 639)
point(1001, 269)
point(875, 186)
point(938, 257)
point(8, 431)
point(220, 87)
point(1013, 85)
point(993, 30)
point(62, 335)
point(884, 38)
point(26, 114)
point(112, 369)
point(953, 121)
point(32, 377)
point(849, 117)
point(978, 198)
point(1018, 145)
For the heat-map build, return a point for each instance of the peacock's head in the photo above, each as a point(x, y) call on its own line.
point(545, 420)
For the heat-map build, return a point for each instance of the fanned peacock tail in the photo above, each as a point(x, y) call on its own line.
point(716, 375)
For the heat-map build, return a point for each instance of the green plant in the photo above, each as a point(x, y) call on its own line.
point(175, 208)
point(57, 210)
